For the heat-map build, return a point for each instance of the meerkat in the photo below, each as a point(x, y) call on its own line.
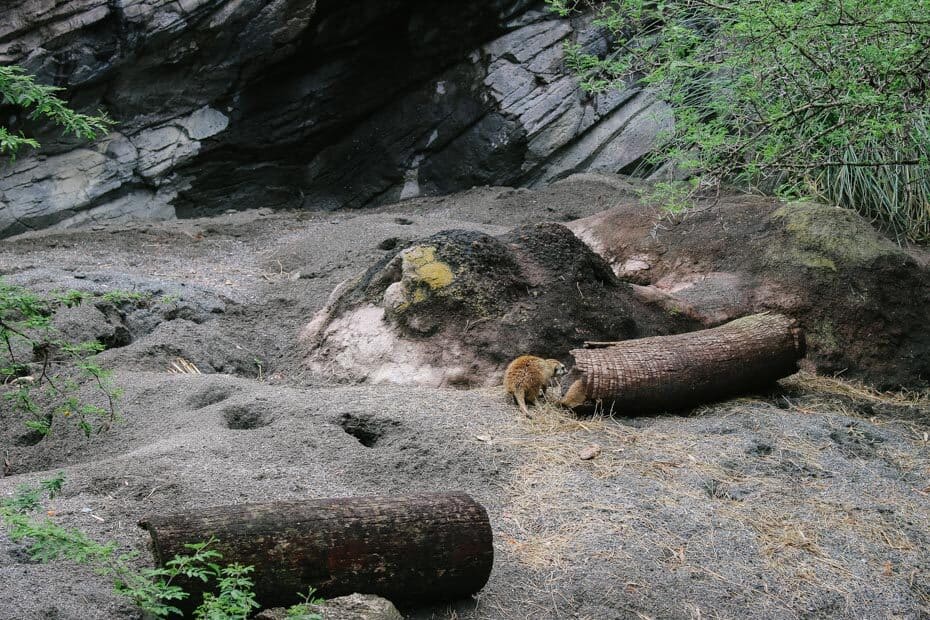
point(528, 376)
point(575, 396)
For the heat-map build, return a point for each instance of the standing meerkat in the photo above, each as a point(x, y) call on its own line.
point(528, 376)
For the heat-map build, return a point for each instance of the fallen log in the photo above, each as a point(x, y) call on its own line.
point(428, 547)
point(682, 371)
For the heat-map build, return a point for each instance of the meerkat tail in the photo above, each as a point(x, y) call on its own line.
point(575, 396)
point(521, 402)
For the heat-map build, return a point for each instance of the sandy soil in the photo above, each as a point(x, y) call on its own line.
point(807, 502)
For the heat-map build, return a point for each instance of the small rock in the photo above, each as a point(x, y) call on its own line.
point(352, 607)
point(589, 452)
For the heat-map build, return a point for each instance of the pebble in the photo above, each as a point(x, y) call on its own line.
point(590, 452)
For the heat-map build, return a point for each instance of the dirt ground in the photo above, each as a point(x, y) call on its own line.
point(811, 501)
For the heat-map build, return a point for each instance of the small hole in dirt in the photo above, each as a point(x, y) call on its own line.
point(210, 395)
point(243, 418)
point(21, 556)
point(759, 449)
point(403, 221)
point(367, 430)
point(390, 243)
point(28, 439)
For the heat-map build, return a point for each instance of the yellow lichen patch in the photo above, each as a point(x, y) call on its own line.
point(421, 260)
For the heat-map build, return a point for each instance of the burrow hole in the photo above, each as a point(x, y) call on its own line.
point(368, 430)
point(246, 418)
point(210, 395)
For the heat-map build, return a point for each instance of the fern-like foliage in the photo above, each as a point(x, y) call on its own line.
point(40, 101)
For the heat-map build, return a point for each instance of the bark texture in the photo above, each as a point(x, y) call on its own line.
point(673, 372)
point(426, 547)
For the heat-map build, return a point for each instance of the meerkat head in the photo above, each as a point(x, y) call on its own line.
point(558, 368)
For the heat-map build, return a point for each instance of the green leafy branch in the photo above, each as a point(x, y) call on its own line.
point(40, 101)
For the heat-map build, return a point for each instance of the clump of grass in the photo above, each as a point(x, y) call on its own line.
point(895, 195)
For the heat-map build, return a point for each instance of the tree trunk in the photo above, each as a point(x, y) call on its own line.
point(681, 371)
point(426, 547)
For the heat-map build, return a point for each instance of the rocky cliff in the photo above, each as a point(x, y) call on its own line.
point(233, 104)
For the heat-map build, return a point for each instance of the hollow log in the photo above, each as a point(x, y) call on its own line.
point(427, 547)
point(682, 371)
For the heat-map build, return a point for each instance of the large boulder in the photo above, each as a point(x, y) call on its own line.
point(861, 299)
point(455, 308)
point(233, 104)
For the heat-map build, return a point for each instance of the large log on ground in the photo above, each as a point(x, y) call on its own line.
point(681, 371)
point(426, 547)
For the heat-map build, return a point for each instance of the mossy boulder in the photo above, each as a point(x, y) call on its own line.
point(823, 237)
point(456, 307)
point(860, 297)
point(455, 273)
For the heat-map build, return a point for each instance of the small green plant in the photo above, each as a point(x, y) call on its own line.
point(121, 297)
point(234, 599)
point(40, 373)
point(19, 89)
point(673, 196)
point(28, 499)
point(305, 609)
point(153, 590)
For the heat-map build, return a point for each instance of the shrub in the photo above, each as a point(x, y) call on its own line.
point(812, 98)
point(40, 373)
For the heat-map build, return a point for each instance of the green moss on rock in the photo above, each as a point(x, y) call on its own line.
point(830, 238)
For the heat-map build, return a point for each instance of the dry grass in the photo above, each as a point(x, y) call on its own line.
point(795, 545)
point(181, 366)
point(818, 384)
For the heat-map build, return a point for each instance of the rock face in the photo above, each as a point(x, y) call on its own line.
point(455, 308)
point(861, 299)
point(233, 104)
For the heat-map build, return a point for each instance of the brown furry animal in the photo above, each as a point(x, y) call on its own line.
point(575, 396)
point(527, 377)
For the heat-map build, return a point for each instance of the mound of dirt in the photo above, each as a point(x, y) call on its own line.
point(456, 307)
point(861, 298)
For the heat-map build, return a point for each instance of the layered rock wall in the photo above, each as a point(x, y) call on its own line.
point(233, 104)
